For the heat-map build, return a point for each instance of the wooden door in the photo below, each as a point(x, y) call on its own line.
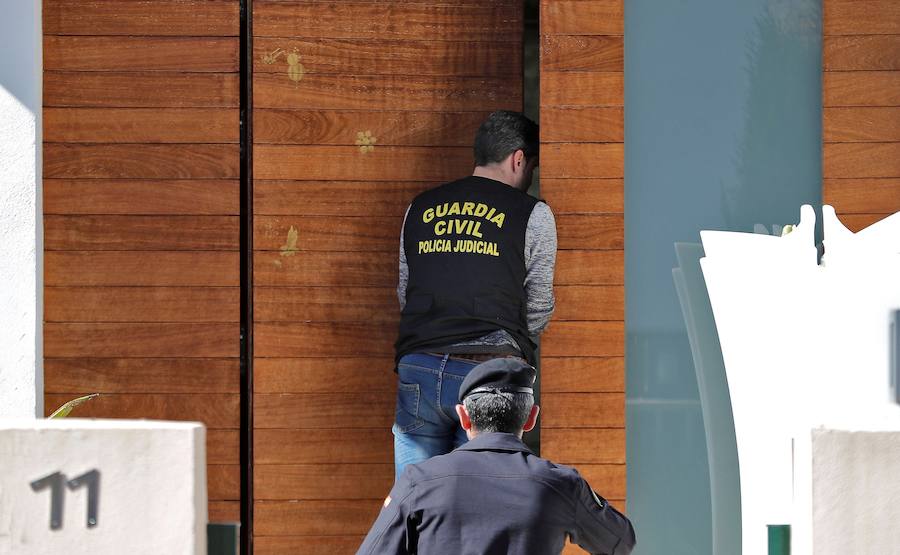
point(358, 105)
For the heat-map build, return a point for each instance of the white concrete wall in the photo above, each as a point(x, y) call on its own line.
point(21, 267)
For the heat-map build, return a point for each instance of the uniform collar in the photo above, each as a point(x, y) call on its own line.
point(495, 442)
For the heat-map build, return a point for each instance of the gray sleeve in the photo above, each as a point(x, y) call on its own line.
point(403, 278)
point(540, 260)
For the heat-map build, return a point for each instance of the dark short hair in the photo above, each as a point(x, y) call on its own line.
point(499, 412)
point(503, 133)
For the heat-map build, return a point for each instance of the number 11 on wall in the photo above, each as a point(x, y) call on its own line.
point(55, 481)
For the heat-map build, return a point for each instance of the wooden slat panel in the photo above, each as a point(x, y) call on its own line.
point(861, 17)
point(224, 511)
point(323, 375)
point(129, 90)
point(315, 517)
point(340, 127)
point(866, 52)
point(141, 125)
point(861, 88)
point(323, 446)
point(861, 160)
point(582, 53)
point(135, 17)
point(859, 124)
point(577, 17)
point(580, 446)
point(92, 196)
point(473, 21)
point(117, 233)
point(580, 302)
point(582, 410)
point(583, 125)
point(582, 88)
point(582, 374)
point(854, 196)
point(326, 304)
point(327, 233)
point(147, 375)
point(858, 222)
point(337, 269)
point(368, 56)
point(606, 479)
point(357, 198)
point(68, 340)
point(385, 163)
point(584, 267)
point(141, 304)
point(384, 92)
point(142, 268)
point(222, 447)
point(323, 481)
point(308, 545)
point(142, 161)
point(214, 410)
point(599, 231)
point(583, 160)
point(584, 338)
point(191, 54)
point(224, 481)
point(324, 410)
point(583, 196)
point(316, 339)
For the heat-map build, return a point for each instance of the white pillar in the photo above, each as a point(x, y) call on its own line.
point(21, 230)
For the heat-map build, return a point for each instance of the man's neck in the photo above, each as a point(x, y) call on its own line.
point(492, 172)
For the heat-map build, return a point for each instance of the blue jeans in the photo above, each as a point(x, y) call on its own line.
point(427, 394)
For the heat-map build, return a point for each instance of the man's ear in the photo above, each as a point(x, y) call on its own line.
point(532, 418)
point(464, 419)
point(518, 160)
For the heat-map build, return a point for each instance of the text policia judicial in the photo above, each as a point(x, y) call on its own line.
point(445, 225)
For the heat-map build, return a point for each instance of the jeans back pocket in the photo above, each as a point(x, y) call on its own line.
point(407, 417)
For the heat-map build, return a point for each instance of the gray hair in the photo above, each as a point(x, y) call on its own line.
point(503, 133)
point(499, 412)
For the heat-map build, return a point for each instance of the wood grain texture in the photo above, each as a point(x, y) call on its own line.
point(606, 479)
point(583, 302)
point(308, 545)
point(324, 410)
point(323, 339)
point(141, 125)
point(141, 304)
point(583, 196)
point(582, 374)
point(568, 160)
point(224, 511)
point(154, 340)
point(586, 267)
point(338, 269)
point(595, 231)
point(582, 53)
point(318, 198)
point(582, 88)
point(340, 127)
point(223, 481)
point(129, 90)
point(135, 233)
point(323, 481)
point(147, 375)
point(323, 446)
point(385, 92)
point(136, 17)
point(582, 410)
point(328, 233)
point(141, 53)
point(591, 339)
point(861, 52)
point(222, 446)
point(141, 161)
point(583, 125)
point(214, 410)
point(861, 124)
point(324, 375)
point(843, 160)
point(152, 268)
point(584, 446)
point(378, 56)
point(858, 222)
point(137, 196)
point(473, 21)
point(315, 517)
point(861, 88)
point(577, 17)
point(858, 196)
point(326, 304)
point(861, 17)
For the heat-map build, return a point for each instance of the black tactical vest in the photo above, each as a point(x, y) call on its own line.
point(465, 247)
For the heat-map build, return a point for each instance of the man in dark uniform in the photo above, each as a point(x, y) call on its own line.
point(492, 495)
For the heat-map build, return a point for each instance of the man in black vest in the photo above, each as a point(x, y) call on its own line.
point(493, 495)
point(476, 283)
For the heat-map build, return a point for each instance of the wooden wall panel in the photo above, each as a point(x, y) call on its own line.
point(582, 170)
point(861, 112)
point(141, 204)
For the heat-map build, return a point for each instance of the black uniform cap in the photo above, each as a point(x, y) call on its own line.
point(497, 376)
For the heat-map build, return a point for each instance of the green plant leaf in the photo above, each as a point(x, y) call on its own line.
point(64, 410)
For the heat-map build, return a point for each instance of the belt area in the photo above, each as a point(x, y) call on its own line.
point(478, 357)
